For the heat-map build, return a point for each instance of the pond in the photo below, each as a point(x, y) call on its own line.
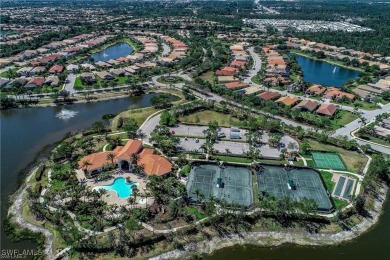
point(113, 52)
point(324, 73)
point(26, 132)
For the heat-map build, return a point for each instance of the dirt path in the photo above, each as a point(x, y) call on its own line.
point(16, 211)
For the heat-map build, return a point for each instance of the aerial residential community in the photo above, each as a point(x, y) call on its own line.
point(195, 129)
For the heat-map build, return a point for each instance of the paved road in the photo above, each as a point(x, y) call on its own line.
point(256, 65)
point(347, 129)
point(166, 49)
point(69, 86)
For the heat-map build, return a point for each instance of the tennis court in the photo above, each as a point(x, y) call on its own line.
point(328, 161)
point(296, 183)
point(344, 188)
point(229, 183)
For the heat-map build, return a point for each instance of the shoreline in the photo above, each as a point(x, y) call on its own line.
point(256, 238)
point(83, 101)
point(273, 238)
point(327, 61)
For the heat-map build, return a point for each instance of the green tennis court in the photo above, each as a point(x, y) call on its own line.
point(277, 180)
point(228, 183)
point(328, 161)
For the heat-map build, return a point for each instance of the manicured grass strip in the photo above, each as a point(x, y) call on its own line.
point(194, 211)
point(327, 177)
point(233, 159)
point(204, 117)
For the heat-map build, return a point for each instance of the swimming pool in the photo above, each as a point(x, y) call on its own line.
point(120, 186)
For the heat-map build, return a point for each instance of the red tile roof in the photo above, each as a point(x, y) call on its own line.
point(224, 73)
point(37, 81)
point(268, 95)
point(154, 164)
point(132, 146)
point(97, 160)
point(236, 85)
point(327, 109)
point(56, 69)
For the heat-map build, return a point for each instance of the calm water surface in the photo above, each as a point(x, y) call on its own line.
point(374, 245)
point(25, 132)
point(323, 73)
point(113, 52)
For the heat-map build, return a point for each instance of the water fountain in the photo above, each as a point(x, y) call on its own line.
point(66, 114)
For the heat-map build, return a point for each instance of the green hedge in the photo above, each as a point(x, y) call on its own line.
point(39, 173)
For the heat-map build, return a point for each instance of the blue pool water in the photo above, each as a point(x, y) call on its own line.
point(121, 187)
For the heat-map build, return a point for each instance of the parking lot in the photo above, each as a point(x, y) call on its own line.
point(237, 147)
point(191, 130)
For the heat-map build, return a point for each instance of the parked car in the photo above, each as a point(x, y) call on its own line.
point(234, 129)
point(221, 135)
point(196, 140)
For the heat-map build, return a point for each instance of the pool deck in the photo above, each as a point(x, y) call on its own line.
point(114, 199)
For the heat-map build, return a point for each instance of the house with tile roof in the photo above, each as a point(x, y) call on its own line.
point(316, 90)
point(56, 69)
point(151, 163)
point(307, 105)
point(268, 95)
point(35, 82)
point(287, 101)
point(335, 93)
point(327, 110)
point(235, 85)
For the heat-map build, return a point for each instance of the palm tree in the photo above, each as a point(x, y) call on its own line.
point(131, 200)
point(111, 157)
point(134, 158)
point(141, 135)
point(135, 193)
point(85, 164)
point(98, 139)
point(199, 195)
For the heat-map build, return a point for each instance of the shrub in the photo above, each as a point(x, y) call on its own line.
point(39, 172)
point(120, 123)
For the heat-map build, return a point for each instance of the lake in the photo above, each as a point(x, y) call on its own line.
point(113, 52)
point(371, 245)
point(324, 73)
point(26, 132)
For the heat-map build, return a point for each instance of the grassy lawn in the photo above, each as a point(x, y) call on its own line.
point(342, 118)
point(273, 161)
point(339, 203)
point(208, 76)
point(234, 159)
point(361, 104)
point(78, 83)
point(310, 163)
point(350, 158)
point(327, 177)
point(204, 117)
point(135, 45)
point(375, 140)
point(121, 80)
point(4, 74)
point(256, 80)
point(140, 115)
point(194, 211)
point(175, 81)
